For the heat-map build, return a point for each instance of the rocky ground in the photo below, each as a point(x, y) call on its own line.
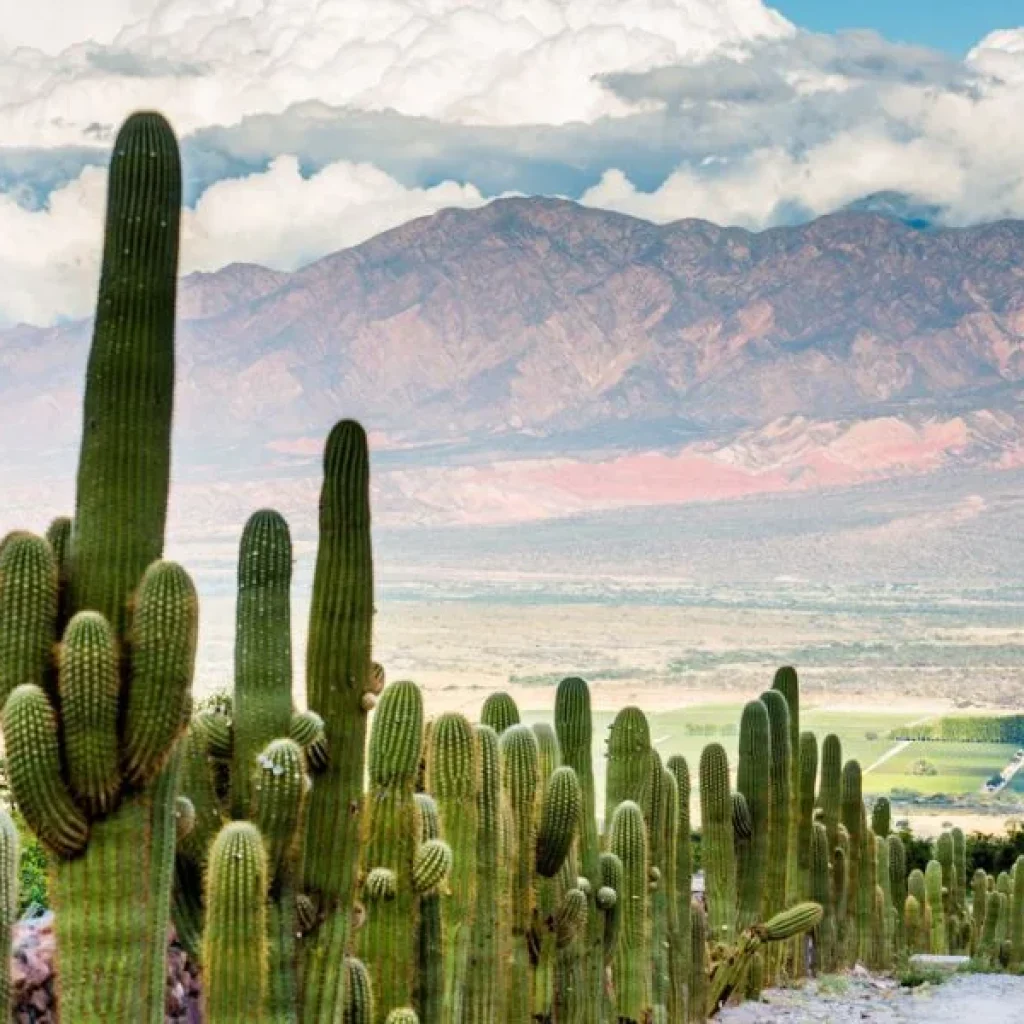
point(963, 999)
point(35, 998)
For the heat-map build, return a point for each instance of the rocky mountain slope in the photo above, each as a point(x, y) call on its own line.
point(537, 358)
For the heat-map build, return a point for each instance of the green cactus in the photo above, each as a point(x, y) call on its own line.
point(960, 870)
point(840, 900)
point(698, 987)
point(898, 890)
point(656, 815)
point(787, 683)
point(404, 1015)
point(934, 896)
point(881, 818)
point(485, 979)
point(777, 875)
point(683, 883)
point(574, 725)
point(452, 779)
point(28, 612)
point(428, 996)
point(388, 940)
point(989, 945)
point(754, 783)
point(58, 535)
point(857, 912)
point(885, 914)
point(500, 712)
point(1017, 915)
point(339, 674)
point(629, 747)
point(560, 813)
point(676, 980)
point(627, 840)
point(808, 777)
point(609, 902)
point(944, 855)
point(110, 971)
point(913, 926)
point(979, 893)
point(235, 938)
point(521, 784)
point(10, 859)
point(263, 647)
point(733, 966)
point(358, 1007)
point(830, 788)
point(718, 842)
point(821, 892)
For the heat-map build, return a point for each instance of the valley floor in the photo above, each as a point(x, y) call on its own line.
point(988, 998)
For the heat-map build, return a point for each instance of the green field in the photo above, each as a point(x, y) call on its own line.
point(960, 768)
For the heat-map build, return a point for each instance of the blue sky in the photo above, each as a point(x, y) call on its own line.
point(949, 25)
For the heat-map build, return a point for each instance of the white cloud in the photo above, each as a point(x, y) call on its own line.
point(209, 62)
point(49, 258)
point(749, 191)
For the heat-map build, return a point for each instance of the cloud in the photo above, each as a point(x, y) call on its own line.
point(49, 258)
point(213, 62)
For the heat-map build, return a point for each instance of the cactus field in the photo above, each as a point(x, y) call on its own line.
point(353, 858)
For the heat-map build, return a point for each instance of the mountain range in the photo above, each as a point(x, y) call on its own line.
point(535, 359)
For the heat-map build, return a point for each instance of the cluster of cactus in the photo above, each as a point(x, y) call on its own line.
point(468, 879)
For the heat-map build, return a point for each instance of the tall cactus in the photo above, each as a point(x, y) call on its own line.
point(521, 784)
point(821, 893)
point(881, 817)
point(777, 882)
point(627, 840)
point(898, 890)
point(1017, 915)
point(338, 675)
point(718, 843)
point(853, 820)
point(262, 703)
point(754, 782)
point(787, 683)
point(683, 883)
point(124, 821)
point(388, 940)
point(933, 894)
point(698, 994)
point(484, 996)
point(830, 789)
point(10, 854)
point(235, 939)
point(429, 990)
point(452, 779)
point(574, 725)
point(629, 747)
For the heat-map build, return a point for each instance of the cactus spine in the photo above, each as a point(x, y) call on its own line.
point(338, 675)
point(500, 712)
point(627, 840)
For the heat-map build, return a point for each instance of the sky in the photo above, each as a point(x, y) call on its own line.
point(310, 125)
point(950, 25)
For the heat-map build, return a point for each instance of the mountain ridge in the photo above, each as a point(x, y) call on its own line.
point(534, 357)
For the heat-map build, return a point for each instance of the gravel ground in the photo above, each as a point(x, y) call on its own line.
point(964, 999)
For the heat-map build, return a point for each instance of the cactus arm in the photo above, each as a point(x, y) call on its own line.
point(10, 853)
